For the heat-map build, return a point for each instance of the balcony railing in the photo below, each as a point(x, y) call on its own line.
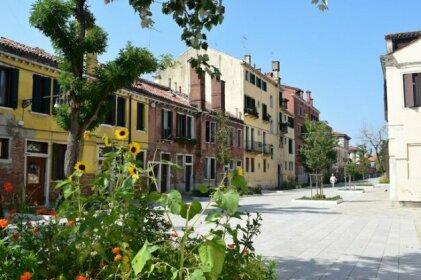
point(251, 111)
point(267, 117)
point(283, 127)
point(258, 147)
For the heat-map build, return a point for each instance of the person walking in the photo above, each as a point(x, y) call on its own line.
point(333, 180)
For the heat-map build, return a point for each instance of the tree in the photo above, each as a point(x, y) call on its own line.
point(318, 152)
point(364, 163)
point(374, 138)
point(71, 27)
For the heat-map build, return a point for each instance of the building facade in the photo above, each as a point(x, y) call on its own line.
point(342, 154)
point(402, 82)
point(302, 109)
point(251, 96)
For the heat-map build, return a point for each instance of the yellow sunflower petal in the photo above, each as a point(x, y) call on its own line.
point(121, 133)
point(134, 148)
point(107, 141)
point(81, 166)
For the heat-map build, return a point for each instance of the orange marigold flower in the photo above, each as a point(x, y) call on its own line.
point(3, 223)
point(116, 250)
point(12, 212)
point(40, 211)
point(52, 213)
point(71, 223)
point(80, 277)
point(117, 257)
point(8, 187)
point(26, 276)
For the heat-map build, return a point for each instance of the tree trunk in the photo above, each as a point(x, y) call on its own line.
point(72, 152)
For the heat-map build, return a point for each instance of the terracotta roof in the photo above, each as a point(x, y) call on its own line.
point(36, 54)
point(403, 35)
point(162, 92)
point(337, 133)
point(352, 148)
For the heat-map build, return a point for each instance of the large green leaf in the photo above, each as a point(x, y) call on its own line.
point(195, 208)
point(142, 257)
point(227, 201)
point(197, 275)
point(212, 255)
point(172, 201)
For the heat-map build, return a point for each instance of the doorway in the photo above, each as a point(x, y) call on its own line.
point(165, 170)
point(35, 180)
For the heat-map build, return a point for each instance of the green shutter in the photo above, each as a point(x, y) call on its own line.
point(46, 95)
point(14, 86)
point(36, 93)
point(140, 116)
point(121, 106)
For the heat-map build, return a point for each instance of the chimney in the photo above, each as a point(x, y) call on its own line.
point(309, 99)
point(247, 59)
point(275, 71)
point(197, 89)
point(218, 95)
point(389, 45)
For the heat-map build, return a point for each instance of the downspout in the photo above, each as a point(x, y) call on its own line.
point(130, 118)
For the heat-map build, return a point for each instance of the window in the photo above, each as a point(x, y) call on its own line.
point(57, 172)
point(5, 148)
point(252, 78)
point(239, 163)
point(180, 160)
point(231, 137)
point(291, 166)
point(116, 115)
point(141, 159)
point(264, 86)
point(140, 122)
point(37, 147)
point(271, 101)
point(258, 82)
point(166, 121)
point(290, 146)
point(210, 168)
point(239, 138)
point(9, 80)
point(247, 164)
point(291, 122)
point(247, 76)
point(41, 93)
point(252, 164)
point(184, 126)
point(249, 102)
point(210, 132)
point(412, 89)
point(264, 165)
point(265, 115)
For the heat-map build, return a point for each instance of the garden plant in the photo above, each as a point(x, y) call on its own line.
point(118, 227)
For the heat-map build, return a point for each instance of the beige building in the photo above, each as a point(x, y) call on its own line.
point(342, 155)
point(250, 95)
point(402, 79)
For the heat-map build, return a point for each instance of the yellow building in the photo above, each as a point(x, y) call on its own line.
point(32, 145)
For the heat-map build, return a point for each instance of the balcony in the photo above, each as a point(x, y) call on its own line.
point(283, 127)
point(185, 140)
point(258, 147)
point(266, 117)
point(251, 112)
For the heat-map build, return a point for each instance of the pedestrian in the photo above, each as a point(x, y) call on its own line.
point(333, 180)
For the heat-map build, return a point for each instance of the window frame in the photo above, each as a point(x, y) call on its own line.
point(208, 168)
point(210, 132)
point(11, 86)
point(9, 149)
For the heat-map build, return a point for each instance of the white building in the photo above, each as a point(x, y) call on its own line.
point(402, 74)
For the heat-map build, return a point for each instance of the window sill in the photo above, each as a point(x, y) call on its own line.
point(40, 114)
point(2, 160)
point(7, 108)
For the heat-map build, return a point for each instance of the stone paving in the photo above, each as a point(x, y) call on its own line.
point(362, 238)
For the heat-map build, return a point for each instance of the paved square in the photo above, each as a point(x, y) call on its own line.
point(362, 238)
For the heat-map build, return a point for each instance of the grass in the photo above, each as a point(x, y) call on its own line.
point(364, 184)
point(321, 197)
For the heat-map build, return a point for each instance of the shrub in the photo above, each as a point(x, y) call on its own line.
point(320, 197)
point(384, 179)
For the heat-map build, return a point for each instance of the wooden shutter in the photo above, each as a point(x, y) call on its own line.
point(408, 88)
point(121, 106)
point(140, 116)
point(36, 93)
point(417, 89)
point(169, 122)
point(46, 95)
point(162, 123)
point(14, 85)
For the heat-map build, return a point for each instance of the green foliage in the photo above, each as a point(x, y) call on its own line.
point(119, 232)
point(384, 179)
point(320, 197)
point(318, 151)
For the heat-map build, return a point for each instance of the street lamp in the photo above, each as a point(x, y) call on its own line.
point(27, 102)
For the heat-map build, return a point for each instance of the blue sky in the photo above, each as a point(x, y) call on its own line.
point(335, 54)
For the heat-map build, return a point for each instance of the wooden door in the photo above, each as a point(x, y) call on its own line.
point(35, 180)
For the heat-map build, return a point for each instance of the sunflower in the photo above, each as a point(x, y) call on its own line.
point(134, 148)
point(107, 141)
point(133, 171)
point(121, 134)
point(81, 166)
